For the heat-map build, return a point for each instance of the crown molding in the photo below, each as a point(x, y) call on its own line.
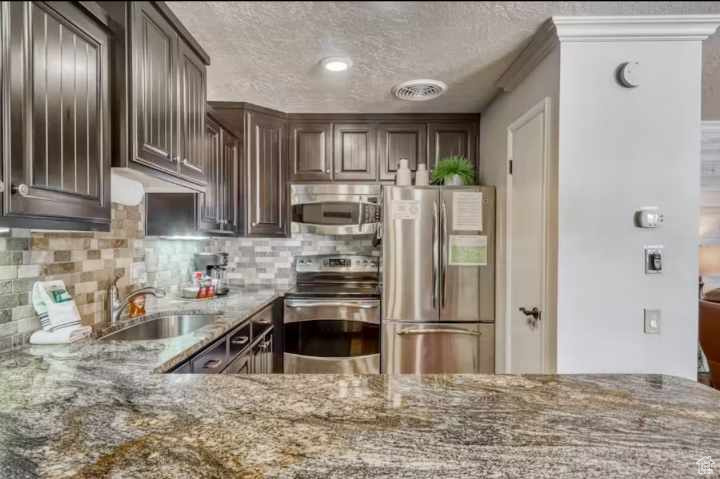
point(562, 29)
point(543, 41)
point(635, 28)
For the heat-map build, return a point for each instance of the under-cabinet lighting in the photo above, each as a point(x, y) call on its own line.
point(183, 237)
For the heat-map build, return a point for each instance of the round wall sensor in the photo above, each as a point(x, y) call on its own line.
point(628, 74)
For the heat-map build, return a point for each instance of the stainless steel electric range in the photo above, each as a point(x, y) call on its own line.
point(332, 317)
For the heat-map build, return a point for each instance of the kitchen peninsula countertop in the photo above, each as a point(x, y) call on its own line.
point(96, 409)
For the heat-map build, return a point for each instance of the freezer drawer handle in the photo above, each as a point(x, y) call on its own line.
point(439, 331)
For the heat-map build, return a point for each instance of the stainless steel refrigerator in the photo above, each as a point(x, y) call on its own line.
point(438, 294)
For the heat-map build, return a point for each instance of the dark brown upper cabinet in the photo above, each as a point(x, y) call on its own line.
point(208, 202)
point(446, 139)
point(159, 95)
point(217, 206)
point(192, 115)
point(397, 141)
point(262, 208)
point(311, 151)
point(228, 184)
point(56, 122)
point(266, 176)
point(355, 152)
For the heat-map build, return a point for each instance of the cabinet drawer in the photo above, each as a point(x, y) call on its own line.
point(212, 360)
point(239, 339)
point(262, 322)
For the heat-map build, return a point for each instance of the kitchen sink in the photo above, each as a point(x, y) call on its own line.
point(162, 327)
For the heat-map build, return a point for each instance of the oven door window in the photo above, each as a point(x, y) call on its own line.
point(332, 338)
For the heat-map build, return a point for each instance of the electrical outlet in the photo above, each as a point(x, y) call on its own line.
point(652, 321)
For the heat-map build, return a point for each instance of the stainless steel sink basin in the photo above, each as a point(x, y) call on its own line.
point(162, 327)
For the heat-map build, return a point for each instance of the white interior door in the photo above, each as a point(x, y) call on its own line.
point(526, 335)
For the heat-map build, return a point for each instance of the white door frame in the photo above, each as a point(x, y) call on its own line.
point(547, 321)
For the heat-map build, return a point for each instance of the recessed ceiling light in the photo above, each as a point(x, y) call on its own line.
point(336, 64)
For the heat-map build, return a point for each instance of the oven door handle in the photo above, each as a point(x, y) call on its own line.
point(438, 331)
point(332, 304)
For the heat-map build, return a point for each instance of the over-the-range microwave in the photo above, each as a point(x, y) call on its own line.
point(336, 209)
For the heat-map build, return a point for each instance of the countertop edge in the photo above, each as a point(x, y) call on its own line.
point(173, 362)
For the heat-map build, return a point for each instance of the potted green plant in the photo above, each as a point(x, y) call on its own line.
point(454, 171)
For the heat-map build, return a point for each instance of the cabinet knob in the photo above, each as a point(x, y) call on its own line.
point(327, 171)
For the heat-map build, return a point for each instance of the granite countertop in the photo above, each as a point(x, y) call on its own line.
point(231, 310)
point(95, 409)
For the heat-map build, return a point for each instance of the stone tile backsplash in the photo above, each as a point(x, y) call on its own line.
point(88, 261)
point(271, 260)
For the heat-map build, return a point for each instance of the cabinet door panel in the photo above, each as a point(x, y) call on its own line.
point(208, 208)
point(311, 151)
point(355, 152)
point(155, 88)
point(396, 141)
point(229, 173)
point(59, 113)
point(448, 139)
point(265, 180)
point(192, 115)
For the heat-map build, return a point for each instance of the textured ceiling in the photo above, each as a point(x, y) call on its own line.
point(268, 53)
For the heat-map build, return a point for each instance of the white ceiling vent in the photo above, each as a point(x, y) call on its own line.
point(419, 90)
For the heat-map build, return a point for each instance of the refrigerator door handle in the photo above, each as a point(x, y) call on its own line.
point(435, 254)
point(443, 256)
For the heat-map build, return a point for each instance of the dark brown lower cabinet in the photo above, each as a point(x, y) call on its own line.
point(55, 92)
point(217, 208)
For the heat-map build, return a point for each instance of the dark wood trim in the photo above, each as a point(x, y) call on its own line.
point(94, 10)
point(182, 31)
point(241, 105)
point(217, 118)
point(43, 223)
point(386, 117)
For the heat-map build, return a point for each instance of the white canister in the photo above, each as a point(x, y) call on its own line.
point(422, 175)
point(403, 176)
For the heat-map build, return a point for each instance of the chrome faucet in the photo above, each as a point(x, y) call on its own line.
point(115, 305)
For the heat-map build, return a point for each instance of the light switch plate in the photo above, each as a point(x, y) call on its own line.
point(649, 251)
point(652, 321)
